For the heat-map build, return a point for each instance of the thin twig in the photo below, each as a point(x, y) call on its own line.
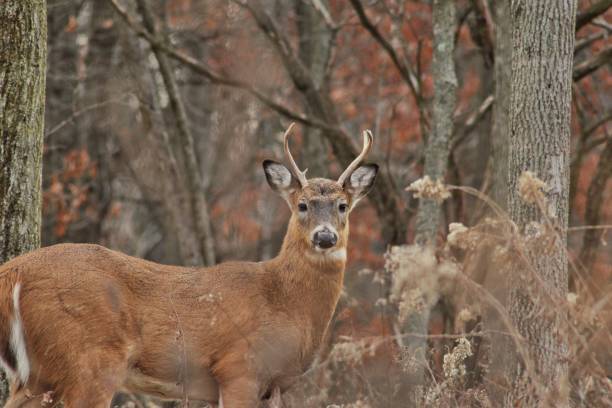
point(82, 111)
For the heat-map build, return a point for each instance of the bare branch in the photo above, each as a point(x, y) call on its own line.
point(588, 40)
point(212, 76)
point(601, 121)
point(405, 70)
point(597, 61)
point(482, 30)
point(592, 12)
point(595, 198)
point(324, 11)
point(82, 111)
point(472, 120)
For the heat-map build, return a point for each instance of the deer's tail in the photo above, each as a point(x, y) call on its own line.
point(13, 355)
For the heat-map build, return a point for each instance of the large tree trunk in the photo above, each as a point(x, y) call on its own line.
point(23, 63)
point(543, 49)
point(445, 87)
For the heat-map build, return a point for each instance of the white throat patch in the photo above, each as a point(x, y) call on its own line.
point(335, 255)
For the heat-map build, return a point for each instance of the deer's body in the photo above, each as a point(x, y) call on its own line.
point(176, 329)
point(80, 322)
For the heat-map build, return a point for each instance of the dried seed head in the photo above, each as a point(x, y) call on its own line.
point(532, 189)
point(427, 188)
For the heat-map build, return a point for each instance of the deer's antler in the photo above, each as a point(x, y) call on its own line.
point(301, 175)
point(367, 145)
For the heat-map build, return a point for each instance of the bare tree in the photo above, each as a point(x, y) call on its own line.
point(23, 57)
point(445, 88)
point(197, 198)
point(542, 60)
point(436, 163)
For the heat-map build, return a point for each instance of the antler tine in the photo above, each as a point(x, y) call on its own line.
point(367, 145)
point(301, 175)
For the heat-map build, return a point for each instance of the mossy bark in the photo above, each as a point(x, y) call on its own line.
point(23, 63)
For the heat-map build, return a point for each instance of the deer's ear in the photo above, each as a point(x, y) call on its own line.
point(360, 182)
point(280, 178)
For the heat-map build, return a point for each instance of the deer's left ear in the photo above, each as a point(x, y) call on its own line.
point(359, 183)
point(280, 178)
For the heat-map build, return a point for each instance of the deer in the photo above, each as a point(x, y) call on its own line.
point(80, 322)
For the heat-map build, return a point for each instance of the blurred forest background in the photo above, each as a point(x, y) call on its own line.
point(152, 106)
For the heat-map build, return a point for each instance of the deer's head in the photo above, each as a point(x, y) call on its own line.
point(320, 207)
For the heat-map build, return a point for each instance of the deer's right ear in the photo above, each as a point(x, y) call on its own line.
point(280, 178)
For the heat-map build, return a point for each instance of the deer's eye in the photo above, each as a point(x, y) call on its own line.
point(302, 207)
point(343, 207)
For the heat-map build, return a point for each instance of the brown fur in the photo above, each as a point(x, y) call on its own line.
point(96, 320)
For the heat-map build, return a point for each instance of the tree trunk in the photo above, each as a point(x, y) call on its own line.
point(501, 125)
point(436, 162)
point(500, 136)
point(23, 64)
point(445, 87)
point(195, 186)
point(316, 39)
point(543, 49)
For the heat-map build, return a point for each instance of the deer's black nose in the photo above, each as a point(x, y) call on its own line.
point(325, 239)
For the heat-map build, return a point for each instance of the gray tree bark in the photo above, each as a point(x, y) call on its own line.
point(23, 64)
point(195, 185)
point(445, 87)
point(501, 124)
point(316, 39)
point(436, 163)
point(151, 155)
point(500, 136)
point(543, 49)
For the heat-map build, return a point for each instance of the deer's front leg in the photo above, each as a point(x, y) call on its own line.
point(235, 373)
point(241, 392)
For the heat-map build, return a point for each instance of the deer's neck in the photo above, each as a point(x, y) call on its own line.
point(298, 262)
point(311, 280)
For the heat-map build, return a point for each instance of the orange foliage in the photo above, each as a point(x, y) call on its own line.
point(68, 190)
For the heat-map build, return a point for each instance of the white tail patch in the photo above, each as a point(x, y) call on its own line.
point(17, 339)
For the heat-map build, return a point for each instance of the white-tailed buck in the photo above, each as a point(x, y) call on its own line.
point(80, 322)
